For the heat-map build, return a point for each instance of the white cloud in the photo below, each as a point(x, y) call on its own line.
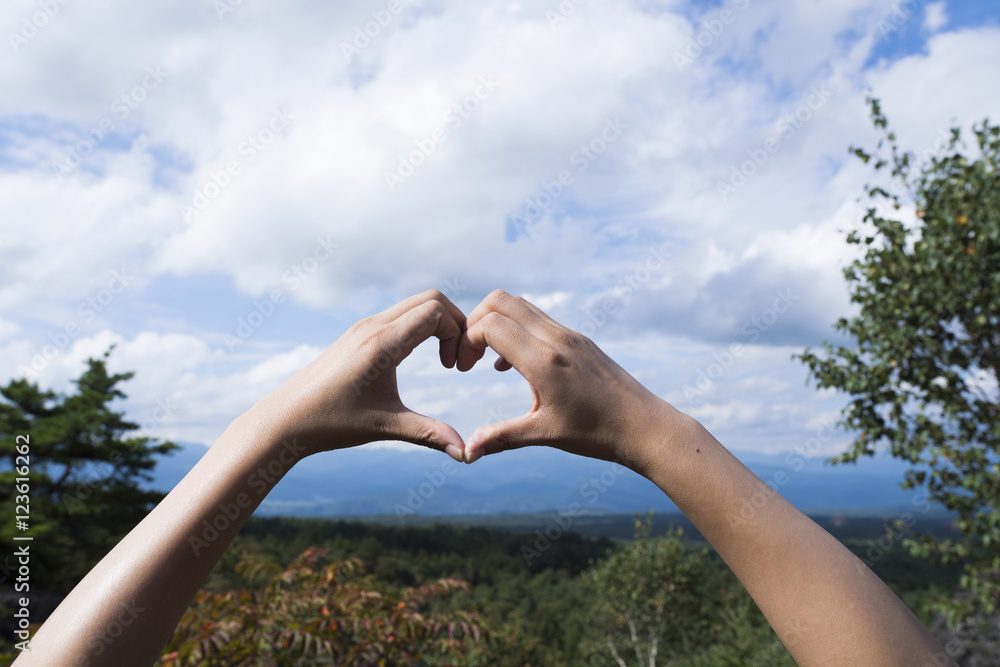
point(935, 16)
point(7, 329)
point(731, 414)
point(656, 185)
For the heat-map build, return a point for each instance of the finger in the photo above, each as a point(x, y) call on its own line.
point(448, 349)
point(426, 319)
point(542, 315)
point(513, 433)
point(412, 427)
point(531, 318)
point(502, 364)
point(513, 307)
point(508, 338)
point(393, 312)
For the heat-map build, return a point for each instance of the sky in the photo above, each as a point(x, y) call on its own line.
point(220, 188)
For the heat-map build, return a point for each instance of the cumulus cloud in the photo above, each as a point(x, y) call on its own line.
point(664, 173)
point(935, 16)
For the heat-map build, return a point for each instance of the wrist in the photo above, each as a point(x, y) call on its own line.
point(274, 427)
point(667, 442)
point(266, 432)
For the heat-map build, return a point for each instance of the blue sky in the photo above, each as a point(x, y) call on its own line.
point(173, 178)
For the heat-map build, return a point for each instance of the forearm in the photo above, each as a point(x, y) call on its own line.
point(125, 609)
point(827, 607)
point(144, 585)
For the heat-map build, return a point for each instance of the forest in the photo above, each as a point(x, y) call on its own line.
point(310, 591)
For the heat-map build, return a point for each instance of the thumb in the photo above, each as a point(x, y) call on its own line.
point(501, 436)
point(412, 427)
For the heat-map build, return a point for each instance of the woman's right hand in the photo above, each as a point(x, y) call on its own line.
point(582, 401)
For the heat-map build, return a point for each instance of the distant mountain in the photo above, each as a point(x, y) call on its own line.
point(367, 481)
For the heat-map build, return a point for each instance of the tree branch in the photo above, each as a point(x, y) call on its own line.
point(614, 654)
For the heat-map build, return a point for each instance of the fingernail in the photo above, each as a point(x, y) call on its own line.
point(474, 455)
point(454, 452)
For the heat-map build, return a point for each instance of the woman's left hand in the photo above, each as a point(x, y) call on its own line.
point(348, 395)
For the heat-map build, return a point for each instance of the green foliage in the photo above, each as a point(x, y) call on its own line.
point(660, 601)
point(535, 614)
point(319, 611)
point(556, 616)
point(85, 470)
point(923, 368)
point(745, 640)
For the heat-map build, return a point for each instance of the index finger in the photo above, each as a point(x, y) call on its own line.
point(512, 341)
point(514, 307)
point(449, 336)
point(393, 312)
point(517, 309)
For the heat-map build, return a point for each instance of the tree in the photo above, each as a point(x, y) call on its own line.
point(664, 601)
point(84, 476)
point(320, 611)
point(653, 599)
point(923, 366)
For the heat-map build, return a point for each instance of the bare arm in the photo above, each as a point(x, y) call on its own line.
point(345, 397)
point(826, 606)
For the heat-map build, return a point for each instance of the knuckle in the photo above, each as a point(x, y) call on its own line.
point(361, 325)
point(554, 357)
point(432, 310)
point(434, 294)
point(370, 340)
point(565, 338)
point(501, 440)
point(492, 319)
point(571, 341)
point(498, 296)
point(582, 341)
point(423, 433)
